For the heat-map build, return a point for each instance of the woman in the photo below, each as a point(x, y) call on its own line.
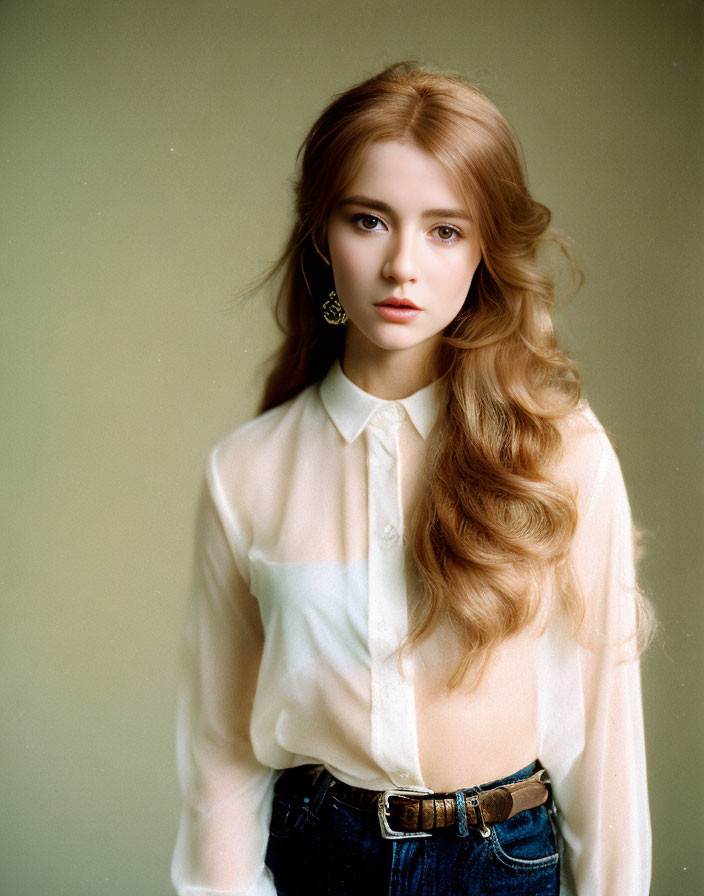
point(416, 591)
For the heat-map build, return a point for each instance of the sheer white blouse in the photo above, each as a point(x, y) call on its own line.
point(298, 610)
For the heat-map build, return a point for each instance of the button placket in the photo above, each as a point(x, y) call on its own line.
point(394, 738)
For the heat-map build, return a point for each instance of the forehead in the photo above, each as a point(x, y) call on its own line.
point(404, 176)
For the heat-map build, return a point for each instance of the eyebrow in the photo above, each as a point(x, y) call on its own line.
point(384, 207)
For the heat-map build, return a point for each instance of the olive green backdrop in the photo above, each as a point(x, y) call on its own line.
point(145, 154)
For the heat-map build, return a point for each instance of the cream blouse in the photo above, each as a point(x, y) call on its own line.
point(292, 657)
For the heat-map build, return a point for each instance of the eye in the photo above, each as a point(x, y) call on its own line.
point(368, 222)
point(446, 233)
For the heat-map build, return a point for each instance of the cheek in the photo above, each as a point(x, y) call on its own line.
point(456, 273)
point(351, 265)
point(343, 263)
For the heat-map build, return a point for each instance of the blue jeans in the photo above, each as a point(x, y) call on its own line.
point(319, 846)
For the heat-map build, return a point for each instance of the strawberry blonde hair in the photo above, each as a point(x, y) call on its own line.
point(492, 528)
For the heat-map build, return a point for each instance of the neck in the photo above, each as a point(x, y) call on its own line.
point(390, 375)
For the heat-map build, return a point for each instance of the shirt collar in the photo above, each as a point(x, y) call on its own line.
point(350, 408)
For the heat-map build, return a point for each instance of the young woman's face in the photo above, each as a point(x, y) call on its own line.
point(403, 250)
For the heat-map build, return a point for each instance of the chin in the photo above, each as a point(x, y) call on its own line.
point(398, 343)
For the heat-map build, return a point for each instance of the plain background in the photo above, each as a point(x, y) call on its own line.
point(146, 151)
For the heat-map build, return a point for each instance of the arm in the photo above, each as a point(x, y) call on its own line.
point(226, 793)
point(604, 797)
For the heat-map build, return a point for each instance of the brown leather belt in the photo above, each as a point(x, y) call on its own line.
point(413, 812)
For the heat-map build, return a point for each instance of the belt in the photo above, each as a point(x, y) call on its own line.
point(415, 811)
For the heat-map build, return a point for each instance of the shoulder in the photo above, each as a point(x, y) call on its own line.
point(582, 432)
point(263, 437)
point(588, 463)
point(260, 451)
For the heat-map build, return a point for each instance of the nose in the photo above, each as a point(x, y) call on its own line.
point(400, 263)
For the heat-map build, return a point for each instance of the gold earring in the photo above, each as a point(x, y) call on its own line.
point(333, 312)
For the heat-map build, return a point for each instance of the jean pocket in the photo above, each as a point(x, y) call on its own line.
point(526, 841)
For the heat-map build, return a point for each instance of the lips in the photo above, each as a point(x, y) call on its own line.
point(394, 302)
point(397, 310)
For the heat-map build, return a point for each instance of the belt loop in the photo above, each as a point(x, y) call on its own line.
point(321, 781)
point(461, 800)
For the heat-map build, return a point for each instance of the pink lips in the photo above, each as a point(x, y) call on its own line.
point(398, 303)
point(397, 310)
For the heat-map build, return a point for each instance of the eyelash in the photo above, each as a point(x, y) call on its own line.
point(362, 216)
point(457, 233)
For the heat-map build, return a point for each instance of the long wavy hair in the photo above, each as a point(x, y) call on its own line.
point(492, 528)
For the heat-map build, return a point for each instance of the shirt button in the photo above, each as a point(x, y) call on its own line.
point(389, 414)
point(396, 412)
point(400, 778)
point(389, 534)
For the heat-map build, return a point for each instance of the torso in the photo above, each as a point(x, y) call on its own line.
point(472, 735)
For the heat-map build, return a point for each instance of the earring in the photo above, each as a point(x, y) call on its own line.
point(333, 312)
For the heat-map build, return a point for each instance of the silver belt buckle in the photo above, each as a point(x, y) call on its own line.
point(387, 832)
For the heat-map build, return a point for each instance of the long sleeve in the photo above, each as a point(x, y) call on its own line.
point(226, 793)
point(603, 797)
